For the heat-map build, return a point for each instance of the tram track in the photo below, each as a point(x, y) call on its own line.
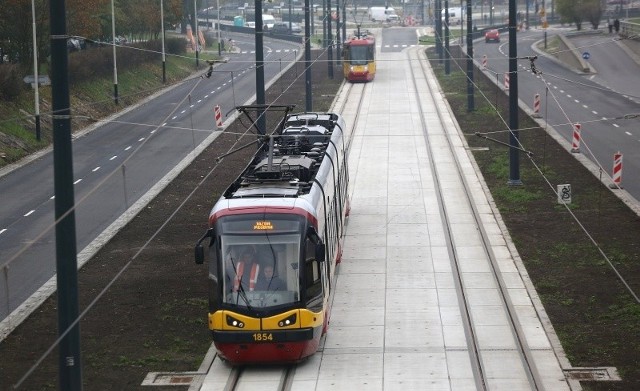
point(279, 377)
point(425, 90)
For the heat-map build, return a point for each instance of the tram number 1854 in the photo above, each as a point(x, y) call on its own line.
point(262, 337)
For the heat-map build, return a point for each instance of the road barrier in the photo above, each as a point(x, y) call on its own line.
point(617, 171)
point(575, 145)
point(218, 115)
point(536, 106)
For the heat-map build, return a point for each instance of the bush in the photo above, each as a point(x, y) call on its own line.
point(175, 46)
point(98, 61)
point(11, 84)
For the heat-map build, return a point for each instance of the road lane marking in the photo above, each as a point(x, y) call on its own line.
point(29, 212)
point(95, 169)
point(78, 181)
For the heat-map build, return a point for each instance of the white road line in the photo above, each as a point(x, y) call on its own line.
point(78, 181)
point(95, 169)
point(128, 148)
point(594, 112)
point(616, 125)
point(113, 157)
point(29, 212)
point(628, 133)
point(3, 230)
point(141, 139)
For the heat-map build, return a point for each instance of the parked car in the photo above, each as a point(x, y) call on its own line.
point(296, 28)
point(492, 35)
point(280, 28)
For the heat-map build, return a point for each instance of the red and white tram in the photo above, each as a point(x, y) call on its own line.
point(275, 240)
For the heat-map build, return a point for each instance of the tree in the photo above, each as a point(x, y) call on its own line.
point(576, 11)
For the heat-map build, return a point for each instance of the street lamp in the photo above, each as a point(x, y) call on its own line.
point(195, 23)
point(164, 64)
point(115, 68)
point(35, 70)
point(219, 28)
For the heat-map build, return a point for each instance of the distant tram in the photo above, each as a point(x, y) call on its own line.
point(275, 240)
point(359, 58)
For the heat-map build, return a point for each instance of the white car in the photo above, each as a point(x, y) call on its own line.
point(295, 28)
point(251, 25)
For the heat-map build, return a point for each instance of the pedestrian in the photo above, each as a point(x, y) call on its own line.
point(616, 25)
point(609, 25)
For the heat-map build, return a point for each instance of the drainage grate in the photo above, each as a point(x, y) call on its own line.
point(171, 378)
point(592, 374)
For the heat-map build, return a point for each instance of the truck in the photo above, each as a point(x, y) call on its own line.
point(383, 14)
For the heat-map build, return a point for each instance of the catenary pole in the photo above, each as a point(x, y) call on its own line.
point(70, 363)
point(470, 90)
point(514, 153)
point(307, 57)
point(261, 122)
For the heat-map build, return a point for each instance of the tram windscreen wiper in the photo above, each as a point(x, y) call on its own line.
point(243, 294)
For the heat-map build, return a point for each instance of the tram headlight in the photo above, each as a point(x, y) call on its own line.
point(288, 321)
point(233, 322)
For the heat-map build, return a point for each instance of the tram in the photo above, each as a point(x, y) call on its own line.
point(274, 242)
point(359, 57)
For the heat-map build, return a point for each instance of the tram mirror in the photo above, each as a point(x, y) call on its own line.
point(199, 250)
point(313, 235)
point(320, 252)
point(199, 254)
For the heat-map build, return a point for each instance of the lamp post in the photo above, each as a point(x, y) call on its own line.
point(195, 25)
point(35, 70)
point(219, 27)
point(115, 68)
point(164, 63)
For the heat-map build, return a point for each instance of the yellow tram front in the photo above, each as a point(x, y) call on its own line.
point(267, 298)
point(359, 59)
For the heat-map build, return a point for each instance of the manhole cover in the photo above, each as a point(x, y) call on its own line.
point(170, 378)
point(593, 374)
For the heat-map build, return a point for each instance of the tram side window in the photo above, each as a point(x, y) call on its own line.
point(312, 277)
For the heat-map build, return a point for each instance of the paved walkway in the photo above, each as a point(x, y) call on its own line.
point(396, 321)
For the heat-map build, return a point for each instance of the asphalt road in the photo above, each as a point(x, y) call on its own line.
point(597, 102)
point(117, 163)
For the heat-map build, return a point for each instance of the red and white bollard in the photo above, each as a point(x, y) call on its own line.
point(617, 171)
point(218, 115)
point(506, 81)
point(484, 61)
point(575, 145)
point(536, 106)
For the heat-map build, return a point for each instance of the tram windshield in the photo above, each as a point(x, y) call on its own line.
point(261, 269)
point(359, 55)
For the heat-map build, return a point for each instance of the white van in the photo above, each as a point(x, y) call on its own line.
point(382, 14)
point(268, 21)
point(454, 16)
